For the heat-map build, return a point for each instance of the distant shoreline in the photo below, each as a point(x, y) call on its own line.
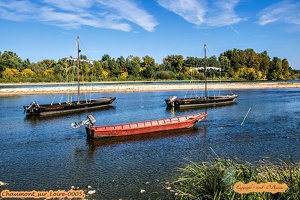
point(139, 87)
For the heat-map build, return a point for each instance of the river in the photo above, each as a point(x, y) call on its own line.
point(46, 153)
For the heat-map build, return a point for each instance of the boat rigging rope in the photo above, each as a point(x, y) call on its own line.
point(61, 99)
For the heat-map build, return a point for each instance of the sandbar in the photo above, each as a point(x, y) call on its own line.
point(139, 87)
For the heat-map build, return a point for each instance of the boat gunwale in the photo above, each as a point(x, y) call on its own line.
point(188, 118)
point(82, 102)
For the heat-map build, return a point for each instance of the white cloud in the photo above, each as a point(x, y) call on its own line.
point(73, 14)
point(191, 10)
point(128, 10)
point(76, 20)
point(285, 11)
point(65, 19)
point(17, 10)
point(222, 13)
point(214, 13)
point(70, 4)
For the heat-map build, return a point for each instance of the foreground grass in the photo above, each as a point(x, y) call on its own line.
point(215, 179)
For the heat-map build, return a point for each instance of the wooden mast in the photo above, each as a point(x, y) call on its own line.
point(205, 78)
point(78, 68)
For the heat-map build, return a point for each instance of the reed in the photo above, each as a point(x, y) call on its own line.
point(215, 178)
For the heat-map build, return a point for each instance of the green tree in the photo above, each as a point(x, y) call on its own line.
point(122, 64)
point(237, 59)
point(286, 69)
point(10, 59)
point(165, 75)
point(27, 64)
point(148, 72)
point(166, 66)
point(191, 62)
point(114, 68)
point(111, 66)
point(275, 69)
point(133, 66)
point(147, 60)
point(225, 66)
point(41, 67)
point(86, 71)
point(252, 59)
point(237, 64)
point(180, 76)
point(264, 64)
point(213, 62)
point(60, 70)
point(49, 74)
point(97, 70)
point(136, 59)
point(176, 62)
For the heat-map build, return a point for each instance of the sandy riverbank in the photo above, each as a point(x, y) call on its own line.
point(144, 87)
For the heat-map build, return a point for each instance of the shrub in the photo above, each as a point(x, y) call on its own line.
point(215, 179)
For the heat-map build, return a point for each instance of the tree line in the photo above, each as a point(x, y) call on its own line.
point(236, 64)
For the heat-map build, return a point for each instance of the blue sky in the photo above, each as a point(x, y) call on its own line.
point(47, 29)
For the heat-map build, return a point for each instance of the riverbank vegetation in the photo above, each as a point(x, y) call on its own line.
point(215, 179)
point(236, 65)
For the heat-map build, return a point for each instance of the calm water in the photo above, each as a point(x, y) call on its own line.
point(45, 153)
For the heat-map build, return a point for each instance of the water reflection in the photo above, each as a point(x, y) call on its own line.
point(193, 108)
point(37, 118)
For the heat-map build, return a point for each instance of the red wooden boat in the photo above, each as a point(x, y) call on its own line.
point(135, 128)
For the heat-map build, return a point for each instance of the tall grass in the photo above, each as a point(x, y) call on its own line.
point(215, 179)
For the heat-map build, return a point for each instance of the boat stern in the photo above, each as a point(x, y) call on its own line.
point(173, 101)
point(90, 132)
point(32, 108)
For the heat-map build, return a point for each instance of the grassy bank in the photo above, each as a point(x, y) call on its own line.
point(215, 179)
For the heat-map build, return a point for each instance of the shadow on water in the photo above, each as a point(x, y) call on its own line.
point(200, 108)
point(36, 118)
point(94, 144)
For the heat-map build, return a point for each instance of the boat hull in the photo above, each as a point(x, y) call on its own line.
point(48, 109)
point(136, 128)
point(201, 101)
